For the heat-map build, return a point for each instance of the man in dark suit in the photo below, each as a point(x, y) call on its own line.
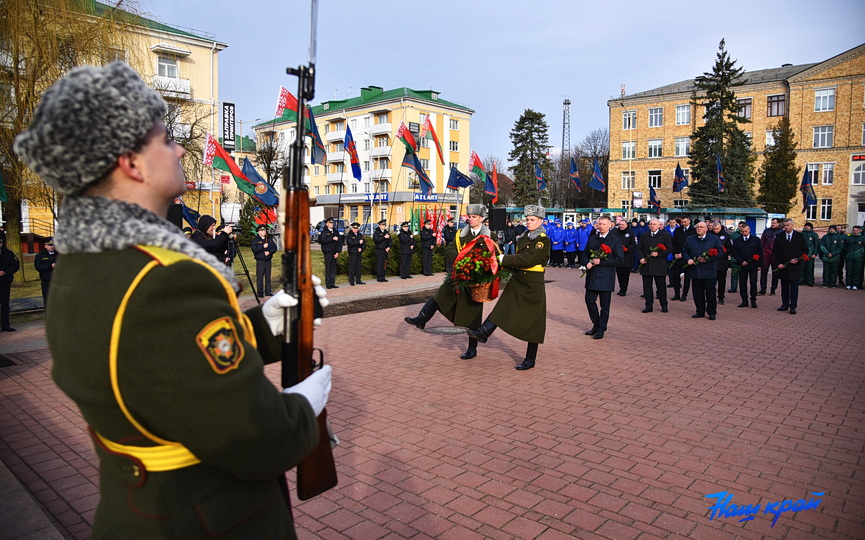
point(331, 245)
point(382, 241)
point(787, 254)
point(703, 267)
point(655, 244)
point(427, 243)
point(356, 244)
point(747, 252)
point(679, 236)
point(601, 275)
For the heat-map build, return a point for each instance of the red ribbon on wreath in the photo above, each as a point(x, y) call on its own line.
point(494, 262)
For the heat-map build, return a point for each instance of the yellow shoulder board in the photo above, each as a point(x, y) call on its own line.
point(164, 257)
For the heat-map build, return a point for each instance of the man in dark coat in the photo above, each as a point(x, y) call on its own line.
point(193, 439)
point(8, 266)
point(747, 252)
point(679, 266)
point(522, 309)
point(787, 252)
point(206, 237)
point(629, 246)
point(654, 246)
point(331, 245)
point(381, 239)
point(44, 263)
point(723, 259)
point(406, 249)
point(262, 251)
point(427, 243)
point(509, 240)
point(355, 242)
point(601, 274)
point(702, 264)
point(768, 239)
point(459, 309)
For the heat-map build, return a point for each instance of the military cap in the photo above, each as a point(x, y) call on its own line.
point(261, 228)
point(534, 210)
point(476, 210)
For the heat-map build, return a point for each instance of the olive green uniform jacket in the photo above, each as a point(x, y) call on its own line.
point(522, 309)
point(161, 335)
point(459, 309)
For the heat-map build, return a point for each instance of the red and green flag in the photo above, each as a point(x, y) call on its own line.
point(404, 135)
point(427, 131)
point(476, 166)
point(215, 156)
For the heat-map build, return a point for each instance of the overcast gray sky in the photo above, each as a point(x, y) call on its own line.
point(502, 57)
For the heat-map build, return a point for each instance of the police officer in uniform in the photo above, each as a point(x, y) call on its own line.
point(262, 250)
point(522, 309)
point(193, 439)
point(44, 262)
point(8, 266)
point(331, 245)
point(427, 243)
point(381, 239)
point(355, 242)
point(406, 249)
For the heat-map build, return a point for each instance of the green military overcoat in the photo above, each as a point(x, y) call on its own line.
point(459, 309)
point(522, 309)
point(154, 349)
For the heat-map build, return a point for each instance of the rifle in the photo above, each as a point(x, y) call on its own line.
point(317, 472)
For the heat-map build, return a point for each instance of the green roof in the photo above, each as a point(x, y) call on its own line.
point(368, 96)
point(100, 9)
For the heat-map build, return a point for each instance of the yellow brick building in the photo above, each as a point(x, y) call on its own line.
point(386, 189)
point(650, 133)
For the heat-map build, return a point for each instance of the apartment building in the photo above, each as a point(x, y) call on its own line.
point(386, 190)
point(825, 102)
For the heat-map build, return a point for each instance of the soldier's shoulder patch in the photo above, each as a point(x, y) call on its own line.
point(221, 345)
point(539, 245)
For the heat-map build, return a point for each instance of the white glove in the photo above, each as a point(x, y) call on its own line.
point(321, 293)
point(501, 258)
point(274, 311)
point(315, 388)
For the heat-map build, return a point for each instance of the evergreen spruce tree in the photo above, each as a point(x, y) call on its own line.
point(530, 140)
point(721, 136)
point(779, 174)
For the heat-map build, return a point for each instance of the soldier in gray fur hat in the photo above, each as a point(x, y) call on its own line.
point(163, 324)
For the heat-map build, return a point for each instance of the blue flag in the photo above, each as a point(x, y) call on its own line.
point(597, 182)
point(412, 162)
point(190, 215)
point(490, 187)
point(809, 197)
point(575, 175)
point(539, 176)
point(654, 202)
point(680, 182)
point(319, 154)
point(264, 192)
point(458, 180)
point(351, 148)
point(722, 182)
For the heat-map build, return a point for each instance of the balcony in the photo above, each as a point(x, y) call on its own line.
point(338, 178)
point(380, 174)
point(172, 88)
point(379, 129)
point(335, 136)
point(379, 151)
point(339, 157)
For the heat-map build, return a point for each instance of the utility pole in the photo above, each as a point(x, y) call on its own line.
point(566, 146)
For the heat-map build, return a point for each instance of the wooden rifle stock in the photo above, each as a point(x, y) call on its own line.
point(317, 472)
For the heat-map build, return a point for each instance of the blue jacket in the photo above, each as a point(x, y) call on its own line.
point(570, 239)
point(557, 236)
point(583, 236)
point(693, 248)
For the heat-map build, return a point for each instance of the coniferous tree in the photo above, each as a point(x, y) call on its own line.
point(721, 136)
point(779, 175)
point(530, 140)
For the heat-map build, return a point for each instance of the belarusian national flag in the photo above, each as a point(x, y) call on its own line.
point(476, 166)
point(215, 156)
point(428, 132)
point(404, 135)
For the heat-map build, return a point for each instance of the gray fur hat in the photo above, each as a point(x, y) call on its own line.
point(86, 120)
point(476, 210)
point(535, 210)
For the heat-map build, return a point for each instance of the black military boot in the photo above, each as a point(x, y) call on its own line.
point(531, 355)
point(424, 315)
point(472, 351)
point(483, 333)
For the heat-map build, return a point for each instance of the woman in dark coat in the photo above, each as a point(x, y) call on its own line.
point(203, 236)
point(629, 244)
point(522, 309)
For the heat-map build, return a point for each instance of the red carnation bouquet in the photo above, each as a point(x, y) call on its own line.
point(706, 256)
point(601, 253)
point(656, 249)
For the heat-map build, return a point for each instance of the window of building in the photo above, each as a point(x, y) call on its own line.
point(366, 144)
point(353, 124)
point(628, 180)
point(745, 107)
point(655, 179)
point(381, 118)
point(776, 105)
point(679, 203)
point(454, 123)
point(825, 209)
point(422, 118)
point(683, 146)
point(683, 115)
point(317, 190)
point(629, 120)
point(454, 146)
point(382, 142)
point(770, 138)
point(354, 190)
point(863, 134)
point(337, 146)
point(451, 165)
point(656, 117)
point(626, 205)
point(366, 121)
point(824, 100)
point(629, 150)
point(337, 167)
point(316, 170)
point(366, 187)
point(859, 175)
point(167, 67)
point(656, 148)
point(425, 164)
point(823, 136)
point(337, 125)
point(811, 211)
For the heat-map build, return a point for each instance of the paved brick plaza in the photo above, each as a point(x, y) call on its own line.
point(618, 438)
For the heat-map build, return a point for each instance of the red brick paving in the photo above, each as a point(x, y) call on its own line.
point(619, 438)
